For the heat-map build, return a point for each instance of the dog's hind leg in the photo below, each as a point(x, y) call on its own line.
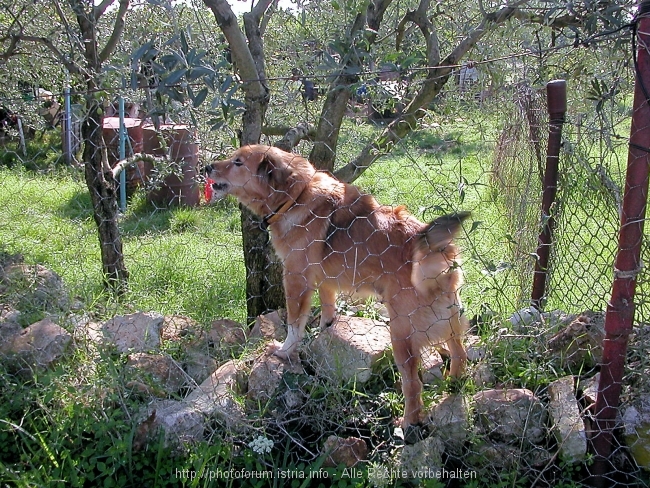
point(458, 355)
point(407, 358)
point(327, 295)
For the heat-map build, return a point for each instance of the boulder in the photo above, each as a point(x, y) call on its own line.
point(636, 424)
point(347, 452)
point(567, 425)
point(38, 346)
point(178, 327)
point(162, 370)
point(270, 326)
point(449, 420)
point(579, 345)
point(350, 349)
point(137, 332)
point(420, 459)
point(9, 325)
point(265, 379)
point(510, 415)
point(185, 420)
point(432, 366)
point(34, 287)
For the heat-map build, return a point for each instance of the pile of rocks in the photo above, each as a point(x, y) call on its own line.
point(501, 425)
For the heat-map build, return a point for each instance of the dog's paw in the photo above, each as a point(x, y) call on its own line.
point(277, 349)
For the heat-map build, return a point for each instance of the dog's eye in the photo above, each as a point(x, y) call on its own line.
point(237, 162)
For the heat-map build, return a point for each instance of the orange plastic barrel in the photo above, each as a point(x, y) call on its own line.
point(181, 188)
point(135, 175)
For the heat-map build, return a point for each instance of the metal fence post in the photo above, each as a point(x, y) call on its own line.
point(67, 127)
point(557, 103)
point(122, 155)
point(620, 309)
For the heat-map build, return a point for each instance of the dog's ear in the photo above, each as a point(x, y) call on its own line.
point(274, 174)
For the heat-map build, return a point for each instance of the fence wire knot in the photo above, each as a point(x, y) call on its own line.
point(628, 274)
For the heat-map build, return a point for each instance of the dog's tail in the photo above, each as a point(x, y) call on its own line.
point(439, 233)
point(434, 256)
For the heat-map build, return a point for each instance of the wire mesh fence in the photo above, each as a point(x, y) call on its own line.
point(523, 413)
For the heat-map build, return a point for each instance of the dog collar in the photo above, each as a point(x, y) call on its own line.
point(275, 216)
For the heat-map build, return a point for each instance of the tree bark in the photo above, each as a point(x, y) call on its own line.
point(103, 194)
point(264, 290)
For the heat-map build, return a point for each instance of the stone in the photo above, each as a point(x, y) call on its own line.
point(347, 452)
point(449, 421)
point(32, 286)
point(137, 332)
point(483, 376)
point(474, 347)
point(589, 390)
point(350, 349)
point(567, 425)
point(510, 415)
point(38, 346)
point(636, 430)
point(225, 332)
point(185, 420)
point(216, 395)
point(424, 456)
point(525, 319)
point(265, 377)
point(178, 327)
point(163, 370)
point(199, 365)
point(270, 326)
point(432, 366)
point(9, 325)
point(499, 456)
point(578, 346)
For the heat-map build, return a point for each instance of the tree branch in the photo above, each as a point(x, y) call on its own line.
point(436, 78)
point(294, 135)
point(118, 29)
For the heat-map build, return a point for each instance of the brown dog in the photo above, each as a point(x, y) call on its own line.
point(331, 237)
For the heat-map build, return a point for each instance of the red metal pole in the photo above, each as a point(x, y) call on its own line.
point(620, 309)
point(556, 97)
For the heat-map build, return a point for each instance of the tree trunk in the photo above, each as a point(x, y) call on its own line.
point(102, 187)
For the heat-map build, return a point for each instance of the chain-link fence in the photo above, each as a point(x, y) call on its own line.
point(523, 412)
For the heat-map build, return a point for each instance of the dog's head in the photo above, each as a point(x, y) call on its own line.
point(260, 177)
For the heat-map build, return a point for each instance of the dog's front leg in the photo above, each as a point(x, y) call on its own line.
point(299, 296)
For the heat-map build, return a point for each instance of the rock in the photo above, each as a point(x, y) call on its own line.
point(178, 327)
point(163, 370)
point(9, 325)
point(266, 376)
point(423, 457)
point(185, 420)
point(499, 456)
point(30, 287)
point(271, 326)
point(432, 366)
point(38, 346)
point(350, 348)
point(510, 415)
point(225, 332)
point(137, 332)
point(579, 345)
point(567, 425)
point(448, 420)
point(636, 423)
point(216, 395)
point(526, 318)
point(475, 349)
point(483, 376)
point(347, 452)
point(199, 365)
point(589, 389)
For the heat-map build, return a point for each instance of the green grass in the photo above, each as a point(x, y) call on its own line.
point(77, 422)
